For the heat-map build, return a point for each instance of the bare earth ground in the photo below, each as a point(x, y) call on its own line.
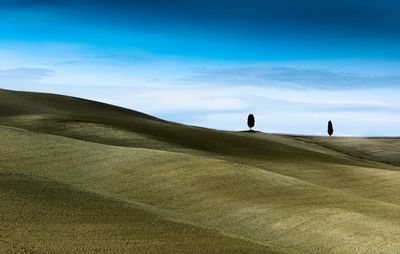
point(81, 176)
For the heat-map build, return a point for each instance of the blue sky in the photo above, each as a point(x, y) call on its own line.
point(293, 64)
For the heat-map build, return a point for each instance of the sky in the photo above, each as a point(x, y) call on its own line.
point(294, 64)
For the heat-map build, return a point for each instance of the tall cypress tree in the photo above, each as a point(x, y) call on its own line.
point(330, 128)
point(251, 121)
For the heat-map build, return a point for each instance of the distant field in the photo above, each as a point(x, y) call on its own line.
point(90, 177)
point(384, 150)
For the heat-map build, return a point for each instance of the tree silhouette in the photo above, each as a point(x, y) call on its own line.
point(251, 121)
point(330, 128)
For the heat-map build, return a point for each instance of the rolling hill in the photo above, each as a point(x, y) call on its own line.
point(84, 176)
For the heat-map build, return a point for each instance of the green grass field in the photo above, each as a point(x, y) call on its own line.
point(82, 176)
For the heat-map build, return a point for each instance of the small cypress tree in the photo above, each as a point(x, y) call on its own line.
point(251, 121)
point(330, 128)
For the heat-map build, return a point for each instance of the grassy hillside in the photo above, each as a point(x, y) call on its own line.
point(384, 150)
point(93, 164)
point(40, 215)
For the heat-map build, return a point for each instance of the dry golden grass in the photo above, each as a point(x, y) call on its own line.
point(384, 150)
point(39, 215)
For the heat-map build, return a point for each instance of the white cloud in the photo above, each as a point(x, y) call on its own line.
point(371, 112)
point(15, 77)
point(25, 73)
point(293, 77)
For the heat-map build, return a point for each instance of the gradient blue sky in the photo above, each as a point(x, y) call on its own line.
point(293, 64)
